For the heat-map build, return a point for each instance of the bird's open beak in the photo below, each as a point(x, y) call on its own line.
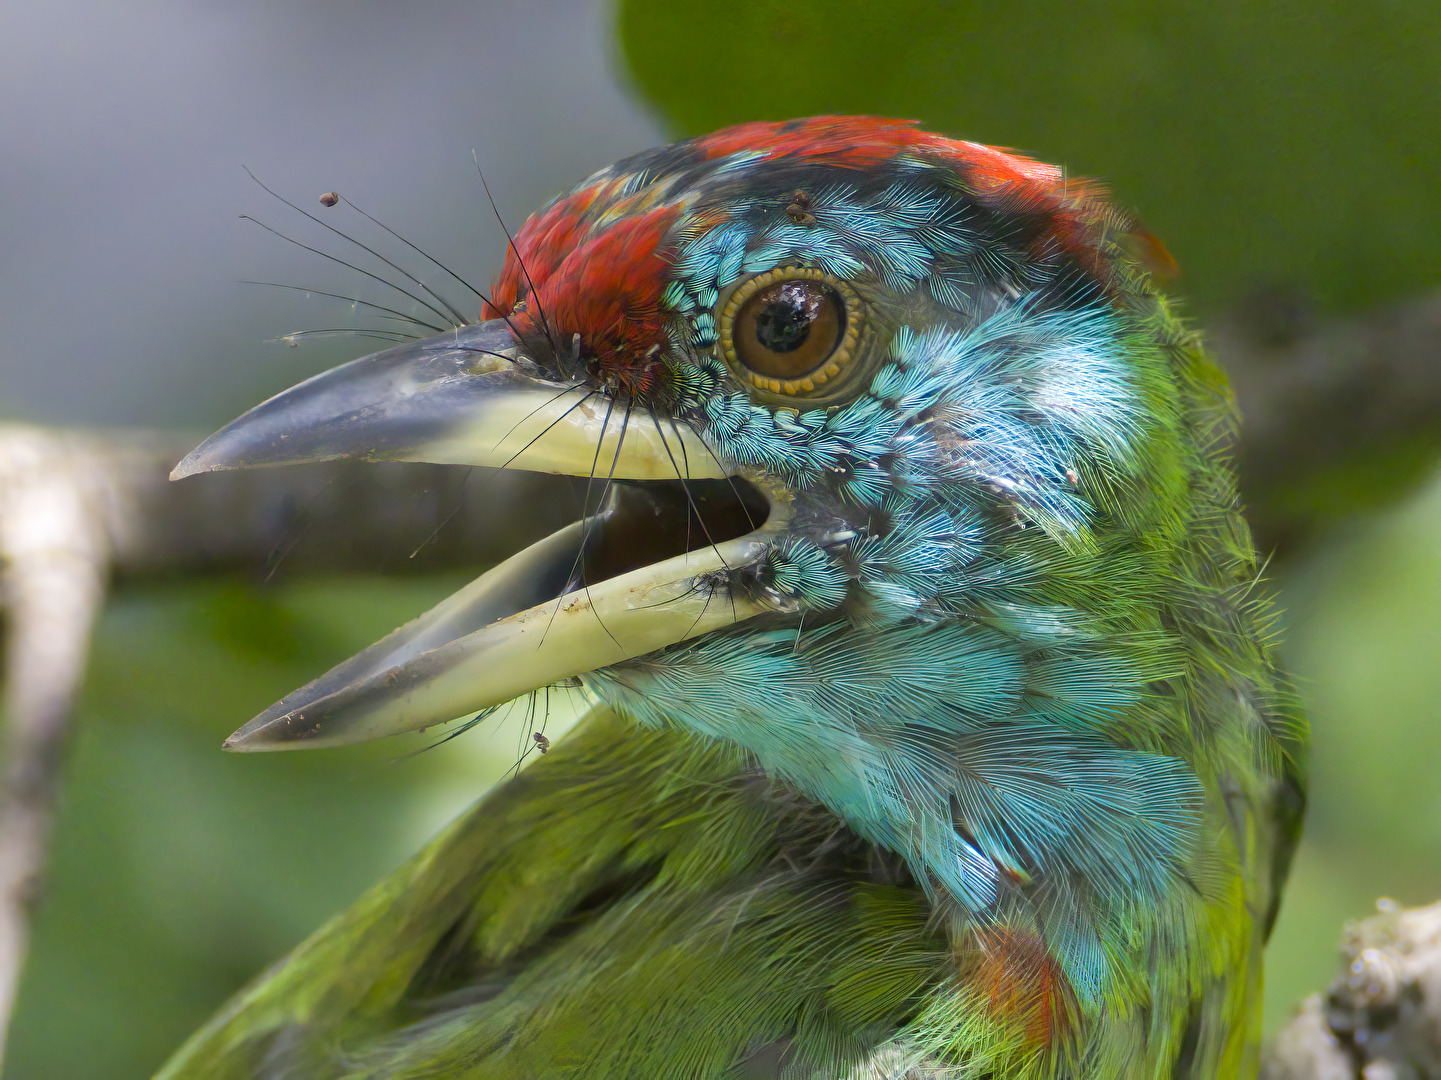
point(462, 398)
point(648, 569)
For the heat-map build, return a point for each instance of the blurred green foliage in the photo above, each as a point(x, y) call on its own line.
point(1281, 143)
point(1363, 633)
point(1286, 147)
point(178, 872)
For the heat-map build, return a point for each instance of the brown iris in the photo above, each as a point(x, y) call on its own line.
point(789, 329)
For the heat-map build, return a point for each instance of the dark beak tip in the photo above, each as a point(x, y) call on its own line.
point(188, 466)
point(210, 456)
point(245, 742)
point(263, 733)
point(222, 452)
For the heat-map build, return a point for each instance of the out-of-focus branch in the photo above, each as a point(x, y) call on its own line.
point(53, 553)
point(79, 507)
point(1348, 406)
point(1338, 415)
point(328, 517)
point(1380, 1019)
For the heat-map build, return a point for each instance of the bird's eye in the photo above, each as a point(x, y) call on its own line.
point(790, 330)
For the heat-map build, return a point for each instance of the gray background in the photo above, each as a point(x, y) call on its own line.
point(123, 131)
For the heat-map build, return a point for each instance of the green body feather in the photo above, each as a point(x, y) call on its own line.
point(695, 884)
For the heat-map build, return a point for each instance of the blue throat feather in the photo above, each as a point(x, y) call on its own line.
point(989, 775)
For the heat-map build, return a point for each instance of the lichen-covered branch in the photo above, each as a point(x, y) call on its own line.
point(1380, 1019)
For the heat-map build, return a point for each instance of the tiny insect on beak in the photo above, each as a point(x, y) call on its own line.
point(650, 567)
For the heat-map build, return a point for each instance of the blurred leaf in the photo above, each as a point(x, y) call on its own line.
point(1268, 143)
point(179, 872)
point(251, 623)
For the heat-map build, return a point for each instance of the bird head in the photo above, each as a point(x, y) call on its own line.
point(894, 455)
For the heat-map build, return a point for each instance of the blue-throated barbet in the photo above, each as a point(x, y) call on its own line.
point(937, 730)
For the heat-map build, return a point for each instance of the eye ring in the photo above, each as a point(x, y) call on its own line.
point(826, 367)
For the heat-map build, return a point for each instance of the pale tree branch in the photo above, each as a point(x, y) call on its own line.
point(55, 547)
point(1380, 1019)
point(78, 508)
point(1343, 397)
point(1338, 416)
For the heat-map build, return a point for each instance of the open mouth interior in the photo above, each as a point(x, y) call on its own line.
point(645, 522)
point(639, 525)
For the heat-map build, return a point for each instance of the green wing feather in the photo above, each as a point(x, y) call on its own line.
point(644, 902)
point(636, 903)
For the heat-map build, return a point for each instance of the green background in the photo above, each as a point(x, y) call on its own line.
point(1271, 146)
point(1266, 143)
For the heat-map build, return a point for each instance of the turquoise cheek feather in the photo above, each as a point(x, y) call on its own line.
point(961, 693)
point(993, 778)
point(1019, 741)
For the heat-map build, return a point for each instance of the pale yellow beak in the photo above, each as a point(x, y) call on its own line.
point(653, 566)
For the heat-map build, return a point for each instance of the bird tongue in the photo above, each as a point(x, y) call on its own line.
point(625, 581)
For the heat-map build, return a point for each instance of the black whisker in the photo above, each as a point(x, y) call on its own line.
point(731, 480)
point(353, 300)
point(689, 498)
point(585, 537)
point(527, 727)
point(694, 588)
point(455, 313)
point(540, 309)
point(584, 513)
point(687, 468)
point(484, 714)
point(605, 492)
point(422, 253)
point(685, 486)
point(525, 751)
point(459, 505)
point(295, 529)
point(426, 255)
point(549, 401)
point(506, 464)
point(349, 266)
point(544, 431)
point(710, 595)
point(458, 347)
point(394, 336)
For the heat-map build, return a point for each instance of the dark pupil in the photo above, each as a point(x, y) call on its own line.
point(784, 320)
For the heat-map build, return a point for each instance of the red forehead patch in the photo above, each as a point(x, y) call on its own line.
point(848, 141)
point(603, 283)
point(594, 262)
